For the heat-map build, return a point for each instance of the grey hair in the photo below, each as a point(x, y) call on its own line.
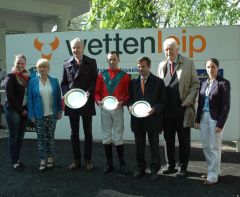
point(170, 41)
point(77, 40)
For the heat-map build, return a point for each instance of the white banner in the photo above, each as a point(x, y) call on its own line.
point(196, 43)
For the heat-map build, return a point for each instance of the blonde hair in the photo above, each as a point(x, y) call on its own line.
point(18, 56)
point(15, 68)
point(42, 62)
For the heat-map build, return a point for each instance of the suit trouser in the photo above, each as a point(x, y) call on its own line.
point(87, 128)
point(140, 142)
point(211, 142)
point(171, 127)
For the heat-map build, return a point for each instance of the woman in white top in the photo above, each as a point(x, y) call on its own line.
point(44, 102)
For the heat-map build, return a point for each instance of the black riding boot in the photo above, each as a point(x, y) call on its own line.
point(122, 164)
point(108, 152)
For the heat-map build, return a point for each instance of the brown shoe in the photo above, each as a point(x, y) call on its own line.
point(208, 183)
point(88, 164)
point(74, 166)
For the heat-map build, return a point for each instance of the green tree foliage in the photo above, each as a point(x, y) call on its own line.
point(199, 12)
point(122, 14)
point(127, 14)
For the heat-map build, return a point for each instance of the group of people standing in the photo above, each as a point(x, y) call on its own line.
point(171, 93)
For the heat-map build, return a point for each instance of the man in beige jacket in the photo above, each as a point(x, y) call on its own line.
point(182, 86)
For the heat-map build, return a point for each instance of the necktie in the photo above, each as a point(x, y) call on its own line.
point(143, 85)
point(171, 68)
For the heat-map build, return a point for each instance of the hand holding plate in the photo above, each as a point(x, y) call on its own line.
point(99, 103)
point(120, 104)
point(152, 110)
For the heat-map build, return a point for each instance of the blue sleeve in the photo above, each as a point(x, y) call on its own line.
point(30, 100)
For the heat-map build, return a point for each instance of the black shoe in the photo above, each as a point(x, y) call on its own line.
point(21, 164)
point(154, 177)
point(209, 183)
point(50, 165)
point(108, 169)
point(18, 167)
point(168, 170)
point(42, 168)
point(2, 127)
point(181, 173)
point(123, 170)
point(88, 165)
point(74, 166)
point(138, 174)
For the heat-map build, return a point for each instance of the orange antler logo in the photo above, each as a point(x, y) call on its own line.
point(46, 49)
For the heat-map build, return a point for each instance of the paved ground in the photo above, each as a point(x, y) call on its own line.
point(61, 183)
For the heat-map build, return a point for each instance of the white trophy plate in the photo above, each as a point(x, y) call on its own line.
point(109, 103)
point(75, 98)
point(140, 109)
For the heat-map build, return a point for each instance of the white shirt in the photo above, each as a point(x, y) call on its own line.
point(46, 94)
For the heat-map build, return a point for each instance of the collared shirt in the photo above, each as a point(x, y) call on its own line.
point(121, 91)
point(46, 94)
point(206, 98)
point(146, 78)
point(175, 62)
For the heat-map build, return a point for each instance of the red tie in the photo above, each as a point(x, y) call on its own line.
point(171, 68)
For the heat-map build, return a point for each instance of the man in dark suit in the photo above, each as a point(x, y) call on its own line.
point(80, 71)
point(150, 88)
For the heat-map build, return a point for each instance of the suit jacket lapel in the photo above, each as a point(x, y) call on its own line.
point(138, 87)
point(178, 67)
point(148, 86)
point(77, 73)
point(204, 87)
point(214, 86)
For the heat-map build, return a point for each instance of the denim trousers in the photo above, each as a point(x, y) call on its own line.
point(211, 142)
point(16, 124)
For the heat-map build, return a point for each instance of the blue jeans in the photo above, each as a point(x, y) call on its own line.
point(211, 142)
point(16, 124)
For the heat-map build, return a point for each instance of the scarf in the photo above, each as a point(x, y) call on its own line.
point(22, 77)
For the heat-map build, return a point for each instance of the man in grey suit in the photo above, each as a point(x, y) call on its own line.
point(182, 86)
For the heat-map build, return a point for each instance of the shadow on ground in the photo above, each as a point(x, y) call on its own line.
point(60, 182)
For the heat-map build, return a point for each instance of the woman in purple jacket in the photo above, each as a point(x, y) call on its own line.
point(212, 113)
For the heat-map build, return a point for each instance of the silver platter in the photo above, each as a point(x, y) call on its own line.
point(140, 109)
point(75, 98)
point(109, 103)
